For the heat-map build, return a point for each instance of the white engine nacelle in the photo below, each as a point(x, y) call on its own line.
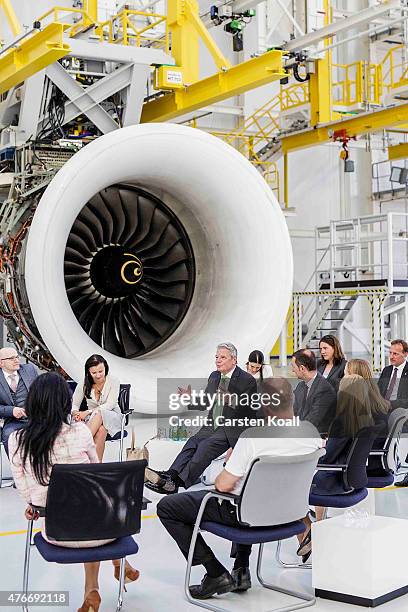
point(233, 282)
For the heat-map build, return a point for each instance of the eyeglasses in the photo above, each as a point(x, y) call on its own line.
point(10, 358)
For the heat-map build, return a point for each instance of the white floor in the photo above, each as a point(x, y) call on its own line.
point(160, 587)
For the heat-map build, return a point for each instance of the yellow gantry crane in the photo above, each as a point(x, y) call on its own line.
point(183, 91)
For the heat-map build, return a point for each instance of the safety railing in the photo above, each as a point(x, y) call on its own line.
point(76, 19)
point(394, 69)
point(129, 27)
point(295, 95)
point(356, 83)
point(245, 144)
point(263, 124)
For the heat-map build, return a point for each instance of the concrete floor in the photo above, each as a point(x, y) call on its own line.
point(160, 587)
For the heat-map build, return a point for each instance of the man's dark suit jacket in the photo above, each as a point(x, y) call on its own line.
point(320, 405)
point(402, 394)
point(335, 374)
point(244, 386)
point(28, 373)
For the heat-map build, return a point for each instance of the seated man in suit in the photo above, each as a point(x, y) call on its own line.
point(15, 381)
point(178, 513)
point(315, 398)
point(211, 441)
point(393, 383)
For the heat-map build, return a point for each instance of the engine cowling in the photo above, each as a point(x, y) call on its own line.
point(151, 245)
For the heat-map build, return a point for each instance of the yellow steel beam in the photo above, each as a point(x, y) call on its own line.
point(320, 90)
point(32, 54)
point(361, 124)
point(398, 151)
point(91, 9)
point(220, 60)
point(15, 25)
point(222, 85)
point(184, 38)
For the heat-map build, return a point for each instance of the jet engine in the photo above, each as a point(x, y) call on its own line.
point(151, 245)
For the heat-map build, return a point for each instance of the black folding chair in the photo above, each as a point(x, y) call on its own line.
point(124, 405)
point(97, 501)
point(383, 462)
point(354, 477)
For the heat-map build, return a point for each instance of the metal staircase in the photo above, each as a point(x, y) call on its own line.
point(328, 318)
point(363, 257)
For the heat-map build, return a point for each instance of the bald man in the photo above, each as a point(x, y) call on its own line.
point(15, 381)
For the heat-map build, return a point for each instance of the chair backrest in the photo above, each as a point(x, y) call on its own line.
point(276, 489)
point(355, 474)
point(95, 501)
point(124, 398)
point(396, 422)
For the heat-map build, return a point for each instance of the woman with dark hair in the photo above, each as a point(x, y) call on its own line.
point(99, 393)
point(257, 367)
point(49, 438)
point(332, 362)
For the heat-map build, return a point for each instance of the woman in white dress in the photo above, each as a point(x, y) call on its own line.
point(100, 392)
point(257, 367)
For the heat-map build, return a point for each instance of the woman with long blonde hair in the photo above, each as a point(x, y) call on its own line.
point(379, 405)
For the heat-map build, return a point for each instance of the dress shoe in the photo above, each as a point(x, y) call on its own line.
point(242, 579)
point(211, 586)
point(166, 487)
point(91, 603)
point(403, 482)
point(306, 544)
point(153, 477)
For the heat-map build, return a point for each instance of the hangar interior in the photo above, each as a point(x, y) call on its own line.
point(175, 174)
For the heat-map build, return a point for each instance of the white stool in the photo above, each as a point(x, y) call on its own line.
point(162, 453)
point(360, 561)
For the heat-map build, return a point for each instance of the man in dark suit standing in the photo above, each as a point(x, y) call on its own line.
point(15, 381)
point(393, 382)
point(315, 398)
point(211, 441)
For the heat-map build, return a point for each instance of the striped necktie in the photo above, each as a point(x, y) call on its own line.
point(13, 382)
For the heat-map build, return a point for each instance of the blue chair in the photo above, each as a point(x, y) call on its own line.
point(383, 475)
point(124, 405)
point(353, 476)
point(263, 515)
point(97, 501)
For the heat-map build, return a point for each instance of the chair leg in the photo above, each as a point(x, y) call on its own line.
point(27, 562)
point(4, 482)
point(121, 584)
point(196, 602)
point(308, 600)
point(289, 565)
point(122, 431)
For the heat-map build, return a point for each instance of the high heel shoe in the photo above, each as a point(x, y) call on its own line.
point(131, 574)
point(306, 545)
point(91, 603)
